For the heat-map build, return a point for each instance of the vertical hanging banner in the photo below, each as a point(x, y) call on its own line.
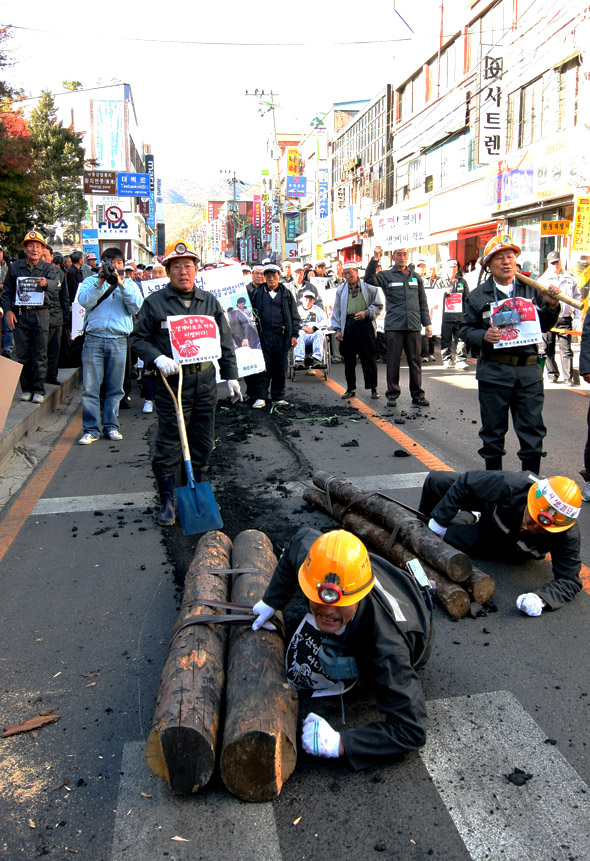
point(257, 219)
point(109, 134)
point(581, 226)
point(492, 135)
point(276, 237)
point(149, 169)
point(292, 161)
point(323, 186)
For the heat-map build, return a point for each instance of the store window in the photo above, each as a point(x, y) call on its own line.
point(526, 232)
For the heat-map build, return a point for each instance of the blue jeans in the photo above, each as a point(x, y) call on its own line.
point(102, 359)
point(7, 337)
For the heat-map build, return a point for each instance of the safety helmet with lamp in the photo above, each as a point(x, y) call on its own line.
point(336, 570)
point(499, 243)
point(554, 503)
point(179, 249)
point(34, 236)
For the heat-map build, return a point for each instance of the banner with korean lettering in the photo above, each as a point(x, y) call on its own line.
point(292, 161)
point(394, 228)
point(296, 186)
point(581, 227)
point(492, 136)
point(323, 187)
point(257, 217)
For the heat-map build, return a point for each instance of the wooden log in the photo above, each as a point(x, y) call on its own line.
point(449, 595)
point(412, 533)
point(259, 738)
point(182, 741)
point(480, 586)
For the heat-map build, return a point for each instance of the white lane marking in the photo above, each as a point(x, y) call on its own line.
point(473, 742)
point(458, 380)
point(106, 502)
point(216, 824)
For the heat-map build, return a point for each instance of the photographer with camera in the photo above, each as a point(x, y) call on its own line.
point(510, 378)
point(111, 301)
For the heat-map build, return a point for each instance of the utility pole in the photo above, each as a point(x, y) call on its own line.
point(263, 99)
point(233, 219)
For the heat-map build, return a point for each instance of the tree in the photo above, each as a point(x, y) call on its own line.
point(59, 162)
point(72, 86)
point(18, 183)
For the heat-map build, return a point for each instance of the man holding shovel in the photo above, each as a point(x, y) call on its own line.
point(151, 340)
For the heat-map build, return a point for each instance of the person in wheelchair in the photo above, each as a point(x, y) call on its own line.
point(314, 322)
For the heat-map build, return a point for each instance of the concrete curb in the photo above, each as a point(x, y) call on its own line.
point(25, 418)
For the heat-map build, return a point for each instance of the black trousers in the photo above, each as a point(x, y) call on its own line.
point(274, 349)
point(411, 342)
point(199, 400)
point(525, 405)
point(53, 346)
point(31, 335)
point(358, 339)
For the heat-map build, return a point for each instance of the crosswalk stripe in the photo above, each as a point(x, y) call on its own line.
point(473, 743)
point(227, 827)
point(104, 502)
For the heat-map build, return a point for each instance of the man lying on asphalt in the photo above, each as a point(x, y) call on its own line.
point(522, 518)
point(366, 616)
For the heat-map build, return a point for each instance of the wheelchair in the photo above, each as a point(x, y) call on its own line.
point(324, 367)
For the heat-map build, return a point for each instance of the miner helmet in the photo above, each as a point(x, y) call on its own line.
point(336, 570)
point(179, 248)
point(554, 503)
point(499, 243)
point(34, 236)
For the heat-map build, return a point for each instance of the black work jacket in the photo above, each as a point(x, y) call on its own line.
point(501, 497)
point(476, 321)
point(459, 285)
point(292, 321)
point(21, 269)
point(406, 305)
point(390, 640)
point(150, 340)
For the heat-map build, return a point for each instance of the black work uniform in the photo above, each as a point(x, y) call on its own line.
point(59, 311)
point(390, 637)
point(31, 333)
point(406, 311)
point(501, 497)
point(451, 320)
point(510, 380)
point(358, 339)
point(150, 338)
point(278, 321)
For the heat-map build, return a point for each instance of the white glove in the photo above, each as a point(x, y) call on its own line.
point(235, 391)
point(264, 613)
point(318, 737)
point(530, 603)
point(437, 528)
point(166, 366)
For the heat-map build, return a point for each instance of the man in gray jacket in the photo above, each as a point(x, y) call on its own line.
point(356, 307)
point(406, 311)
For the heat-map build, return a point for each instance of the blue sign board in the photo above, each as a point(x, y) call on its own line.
point(323, 199)
point(296, 186)
point(133, 184)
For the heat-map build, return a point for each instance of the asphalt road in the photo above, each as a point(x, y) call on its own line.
point(90, 591)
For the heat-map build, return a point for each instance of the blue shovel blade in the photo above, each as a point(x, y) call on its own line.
point(197, 509)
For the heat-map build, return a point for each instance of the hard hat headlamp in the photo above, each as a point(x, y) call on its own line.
point(545, 518)
point(330, 592)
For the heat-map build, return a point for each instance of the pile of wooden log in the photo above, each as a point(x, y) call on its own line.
point(373, 518)
point(210, 670)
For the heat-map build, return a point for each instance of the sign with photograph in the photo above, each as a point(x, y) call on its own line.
point(28, 293)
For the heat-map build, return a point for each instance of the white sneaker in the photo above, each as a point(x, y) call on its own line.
point(310, 372)
point(448, 364)
point(462, 366)
point(282, 403)
point(87, 439)
point(148, 407)
point(259, 404)
point(113, 434)
point(26, 396)
point(586, 492)
point(38, 398)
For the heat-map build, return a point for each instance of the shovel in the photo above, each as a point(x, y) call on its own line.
point(197, 508)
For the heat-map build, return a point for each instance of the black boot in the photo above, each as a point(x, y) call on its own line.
point(493, 463)
point(166, 515)
point(531, 464)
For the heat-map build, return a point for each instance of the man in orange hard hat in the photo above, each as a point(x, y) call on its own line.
point(509, 376)
point(521, 518)
point(365, 617)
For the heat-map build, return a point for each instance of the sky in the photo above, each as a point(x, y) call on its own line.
point(190, 98)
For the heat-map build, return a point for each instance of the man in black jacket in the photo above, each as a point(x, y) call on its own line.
point(278, 324)
point(510, 379)
point(406, 312)
point(455, 292)
point(366, 617)
point(27, 313)
point(522, 518)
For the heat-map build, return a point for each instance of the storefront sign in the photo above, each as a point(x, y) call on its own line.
point(150, 170)
point(492, 138)
point(276, 237)
point(257, 217)
point(556, 228)
point(292, 161)
point(581, 232)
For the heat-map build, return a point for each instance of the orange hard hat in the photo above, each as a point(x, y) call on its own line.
point(179, 249)
point(499, 243)
point(554, 503)
point(34, 236)
point(336, 570)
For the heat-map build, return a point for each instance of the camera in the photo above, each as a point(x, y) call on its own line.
point(506, 318)
point(109, 273)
